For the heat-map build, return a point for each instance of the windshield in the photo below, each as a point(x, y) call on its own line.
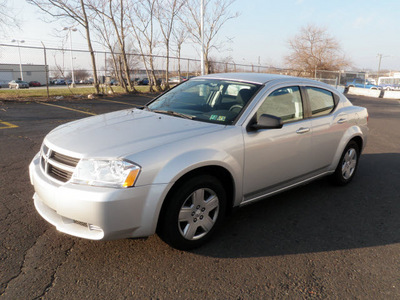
point(207, 100)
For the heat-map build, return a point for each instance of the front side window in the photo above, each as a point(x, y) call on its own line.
point(321, 101)
point(284, 103)
point(207, 100)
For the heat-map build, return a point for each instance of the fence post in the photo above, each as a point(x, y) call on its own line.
point(46, 70)
point(187, 73)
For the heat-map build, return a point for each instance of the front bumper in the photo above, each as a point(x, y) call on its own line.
point(96, 213)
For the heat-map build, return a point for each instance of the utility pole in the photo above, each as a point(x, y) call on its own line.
point(47, 71)
point(20, 62)
point(202, 37)
point(70, 29)
point(380, 55)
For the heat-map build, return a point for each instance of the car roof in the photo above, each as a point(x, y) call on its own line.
point(258, 78)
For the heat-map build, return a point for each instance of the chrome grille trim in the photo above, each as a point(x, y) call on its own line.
point(64, 159)
point(59, 174)
point(57, 166)
point(61, 166)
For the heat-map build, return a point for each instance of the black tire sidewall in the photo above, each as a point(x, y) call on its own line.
point(170, 231)
point(338, 176)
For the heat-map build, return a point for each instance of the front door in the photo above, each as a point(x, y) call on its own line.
point(276, 156)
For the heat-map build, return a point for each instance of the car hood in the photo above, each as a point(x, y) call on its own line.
point(123, 133)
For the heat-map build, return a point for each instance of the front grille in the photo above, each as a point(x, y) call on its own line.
point(59, 174)
point(67, 160)
point(56, 165)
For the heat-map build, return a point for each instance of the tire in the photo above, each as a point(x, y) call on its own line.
point(193, 212)
point(348, 164)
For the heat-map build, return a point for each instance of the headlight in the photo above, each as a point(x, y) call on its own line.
point(108, 173)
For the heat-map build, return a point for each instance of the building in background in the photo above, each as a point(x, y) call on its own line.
point(30, 72)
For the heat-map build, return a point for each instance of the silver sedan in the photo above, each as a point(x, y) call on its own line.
point(18, 84)
point(180, 164)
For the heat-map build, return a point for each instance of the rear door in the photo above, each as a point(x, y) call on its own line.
point(328, 125)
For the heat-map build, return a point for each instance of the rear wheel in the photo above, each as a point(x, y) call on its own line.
point(193, 212)
point(348, 163)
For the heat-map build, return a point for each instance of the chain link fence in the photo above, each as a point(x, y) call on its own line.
point(54, 66)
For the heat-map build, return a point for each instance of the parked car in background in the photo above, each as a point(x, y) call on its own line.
point(180, 163)
point(18, 84)
point(362, 83)
point(60, 82)
point(34, 83)
point(3, 84)
point(176, 79)
point(143, 81)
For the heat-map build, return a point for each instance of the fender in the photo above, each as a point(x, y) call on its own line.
point(167, 164)
point(352, 132)
point(183, 164)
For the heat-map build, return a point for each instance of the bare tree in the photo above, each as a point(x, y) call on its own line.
point(80, 74)
point(217, 13)
point(7, 19)
point(314, 49)
point(114, 12)
point(101, 25)
point(74, 10)
point(220, 66)
point(166, 13)
point(142, 24)
point(180, 35)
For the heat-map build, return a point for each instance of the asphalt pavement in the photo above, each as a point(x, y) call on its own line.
point(317, 241)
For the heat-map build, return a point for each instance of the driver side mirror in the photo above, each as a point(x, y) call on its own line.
point(265, 121)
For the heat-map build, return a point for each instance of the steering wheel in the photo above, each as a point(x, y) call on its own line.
point(236, 107)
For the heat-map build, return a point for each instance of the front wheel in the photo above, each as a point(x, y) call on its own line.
point(348, 163)
point(193, 212)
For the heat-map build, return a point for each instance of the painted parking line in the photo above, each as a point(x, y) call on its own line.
point(112, 101)
point(6, 125)
point(67, 108)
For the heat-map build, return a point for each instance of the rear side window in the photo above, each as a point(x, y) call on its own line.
point(321, 101)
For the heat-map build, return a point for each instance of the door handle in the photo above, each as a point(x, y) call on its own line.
point(342, 120)
point(303, 130)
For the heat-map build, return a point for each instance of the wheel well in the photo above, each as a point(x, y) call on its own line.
point(359, 142)
point(219, 172)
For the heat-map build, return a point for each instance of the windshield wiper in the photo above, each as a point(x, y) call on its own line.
point(173, 113)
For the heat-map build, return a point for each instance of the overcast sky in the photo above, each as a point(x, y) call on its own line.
point(364, 28)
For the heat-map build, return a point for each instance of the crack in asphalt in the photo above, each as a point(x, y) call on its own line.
point(9, 212)
point(6, 284)
point(53, 275)
point(25, 267)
